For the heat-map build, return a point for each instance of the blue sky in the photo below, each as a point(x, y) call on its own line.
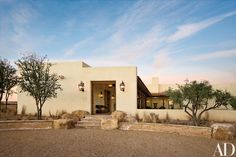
point(173, 40)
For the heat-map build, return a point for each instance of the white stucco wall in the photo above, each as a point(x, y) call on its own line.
point(212, 115)
point(71, 98)
point(156, 87)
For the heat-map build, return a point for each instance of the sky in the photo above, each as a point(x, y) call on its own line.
point(173, 40)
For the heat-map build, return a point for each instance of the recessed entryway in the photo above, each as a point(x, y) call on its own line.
point(103, 97)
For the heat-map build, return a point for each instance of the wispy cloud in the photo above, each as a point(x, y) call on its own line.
point(214, 55)
point(23, 14)
point(163, 59)
point(77, 47)
point(21, 37)
point(119, 43)
point(141, 33)
point(187, 30)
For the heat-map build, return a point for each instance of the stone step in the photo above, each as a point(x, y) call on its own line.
point(84, 125)
point(97, 116)
point(87, 126)
point(89, 122)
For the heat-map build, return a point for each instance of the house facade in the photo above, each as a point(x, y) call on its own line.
point(102, 90)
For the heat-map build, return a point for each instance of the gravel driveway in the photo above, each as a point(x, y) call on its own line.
point(91, 143)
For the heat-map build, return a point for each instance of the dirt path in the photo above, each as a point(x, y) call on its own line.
point(91, 143)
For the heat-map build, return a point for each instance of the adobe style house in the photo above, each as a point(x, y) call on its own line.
point(98, 90)
point(102, 90)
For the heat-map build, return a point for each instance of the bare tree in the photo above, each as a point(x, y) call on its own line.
point(36, 79)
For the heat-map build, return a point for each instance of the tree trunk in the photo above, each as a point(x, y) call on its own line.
point(7, 96)
point(195, 119)
point(1, 102)
point(38, 117)
point(40, 110)
point(40, 113)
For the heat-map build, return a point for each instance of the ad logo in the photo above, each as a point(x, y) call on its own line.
point(226, 149)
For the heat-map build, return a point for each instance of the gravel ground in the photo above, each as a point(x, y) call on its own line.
point(91, 143)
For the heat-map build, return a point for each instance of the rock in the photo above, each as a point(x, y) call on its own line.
point(66, 116)
point(63, 124)
point(109, 124)
point(74, 117)
point(130, 118)
point(223, 131)
point(80, 113)
point(120, 115)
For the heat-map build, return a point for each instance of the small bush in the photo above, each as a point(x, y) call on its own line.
point(137, 117)
point(50, 114)
point(154, 117)
point(60, 113)
point(166, 119)
point(147, 118)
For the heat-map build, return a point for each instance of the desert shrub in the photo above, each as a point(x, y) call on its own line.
point(147, 118)
point(154, 117)
point(59, 113)
point(137, 117)
point(166, 119)
point(50, 114)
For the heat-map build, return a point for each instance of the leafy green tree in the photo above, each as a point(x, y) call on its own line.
point(2, 78)
point(233, 102)
point(8, 79)
point(195, 98)
point(36, 79)
point(11, 81)
point(176, 96)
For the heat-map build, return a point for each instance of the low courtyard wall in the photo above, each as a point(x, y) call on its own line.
point(25, 124)
point(168, 128)
point(213, 115)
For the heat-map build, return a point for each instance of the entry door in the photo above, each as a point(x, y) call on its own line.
point(107, 100)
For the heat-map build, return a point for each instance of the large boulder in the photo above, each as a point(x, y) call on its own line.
point(66, 116)
point(75, 118)
point(63, 124)
point(119, 115)
point(223, 131)
point(80, 113)
point(109, 123)
point(130, 118)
